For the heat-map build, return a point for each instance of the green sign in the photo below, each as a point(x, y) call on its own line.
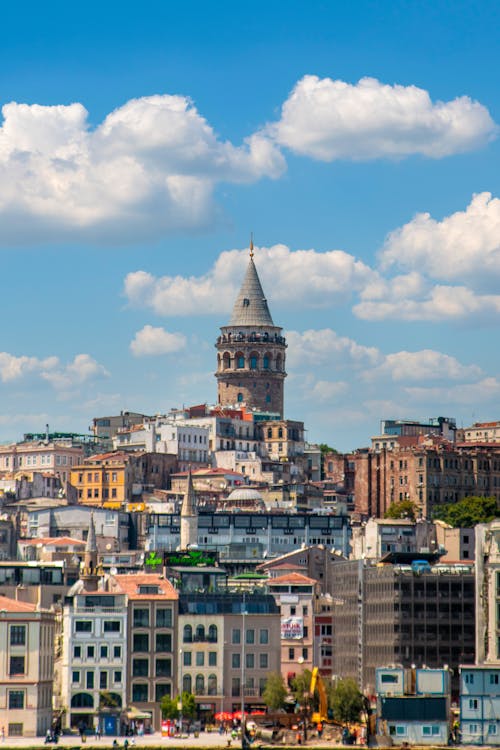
point(153, 560)
point(190, 558)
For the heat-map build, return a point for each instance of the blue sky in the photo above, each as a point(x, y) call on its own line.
point(141, 143)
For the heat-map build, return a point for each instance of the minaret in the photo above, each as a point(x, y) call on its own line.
point(251, 351)
point(90, 574)
point(189, 516)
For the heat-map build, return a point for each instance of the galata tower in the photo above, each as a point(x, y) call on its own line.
point(251, 351)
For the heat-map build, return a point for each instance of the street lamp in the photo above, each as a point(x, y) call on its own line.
point(179, 702)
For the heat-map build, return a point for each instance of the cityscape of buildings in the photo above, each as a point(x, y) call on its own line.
point(203, 549)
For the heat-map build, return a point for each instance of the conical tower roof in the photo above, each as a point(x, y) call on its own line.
point(91, 545)
point(189, 502)
point(250, 308)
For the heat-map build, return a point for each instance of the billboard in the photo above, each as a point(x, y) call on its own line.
point(291, 628)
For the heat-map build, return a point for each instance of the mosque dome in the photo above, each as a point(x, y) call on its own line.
point(244, 498)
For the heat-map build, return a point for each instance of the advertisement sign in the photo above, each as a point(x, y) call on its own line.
point(291, 628)
point(191, 558)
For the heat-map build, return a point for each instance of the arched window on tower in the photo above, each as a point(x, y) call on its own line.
point(254, 361)
point(226, 360)
point(278, 362)
point(240, 361)
point(240, 398)
point(265, 362)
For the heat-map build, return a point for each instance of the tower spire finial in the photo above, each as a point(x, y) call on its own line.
point(251, 245)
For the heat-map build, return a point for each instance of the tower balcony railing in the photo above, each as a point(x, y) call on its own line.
point(253, 338)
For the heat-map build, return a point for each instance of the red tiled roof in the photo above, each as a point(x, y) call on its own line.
point(13, 605)
point(129, 584)
point(298, 578)
point(61, 540)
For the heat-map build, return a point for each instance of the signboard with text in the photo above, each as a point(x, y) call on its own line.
point(292, 628)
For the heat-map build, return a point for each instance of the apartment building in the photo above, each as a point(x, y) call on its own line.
point(189, 442)
point(230, 643)
point(152, 616)
point(26, 668)
point(50, 456)
point(399, 613)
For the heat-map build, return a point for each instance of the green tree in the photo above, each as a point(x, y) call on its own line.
point(401, 509)
point(301, 684)
point(275, 691)
point(347, 701)
point(170, 710)
point(467, 512)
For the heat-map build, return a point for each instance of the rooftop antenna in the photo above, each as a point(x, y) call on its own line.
point(251, 245)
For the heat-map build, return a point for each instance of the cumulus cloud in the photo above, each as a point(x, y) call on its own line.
point(150, 167)
point(330, 119)
point(424, 365)
point(154, 341)
point(462, 246)
point(314, 348)
point(483, 391)
point(82, 369)
point(307, 277)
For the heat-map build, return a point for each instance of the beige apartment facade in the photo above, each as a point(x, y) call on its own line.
point(26, 668)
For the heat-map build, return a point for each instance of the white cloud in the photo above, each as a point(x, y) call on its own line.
point(307, 277)
point(424, 365)
point(440, 303)
point(83, 368)
point(150, 167)
point(483, 391)
point(314, 348)
point(154, 341)
point(464, 246)
point(330, 119)
point(326, 391)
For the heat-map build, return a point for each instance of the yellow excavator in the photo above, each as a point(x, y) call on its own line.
point(318, 684)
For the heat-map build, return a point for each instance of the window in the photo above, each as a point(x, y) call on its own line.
point(90, 652)
point(16, 699)
point(140, 642)
point(16, 665)
point(200, 659)
point(199, 684)
point(494, 679)
point(112, 626)
point(141, 618)
point(305, 611)
point(235, 686)
point(83, 626)
point(77, 652)
point(117, 676)
point(187, 658)
point(163, 668)
point(187, 684)
point(293, 610)
point(161, 690)
point(117, 652)
point(140, 667)
point(163, 618)
point(469, 679)
point(212, 684)
point(236, 636)
point(212, 634)
point(250, 661)
point(426, 731)
point(103, 680)
point(18, 635)
point(212, 658)
point(15, 728)
point(240, 362)
point(473, 729)
point(140, 692)
point(305, 653)
point(188, 634)
point(250, 636)
point(492, 728)
point(264, 636)
point(291, 654)
point(263, 661)
point(473, 703)
point(239, 397)
point(90, 681)
point(104, 652)
point(235, 661)
point(163, 642)
point(75, 676)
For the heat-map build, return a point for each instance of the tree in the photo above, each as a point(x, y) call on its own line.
point(401, 509)
point(170, 710)
point(275, 691)
point(347, 701)
point(300, 685)
point(467, 512)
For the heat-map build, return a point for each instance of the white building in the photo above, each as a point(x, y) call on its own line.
point(189, 442)
point(94, 659)
point(26, 668)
